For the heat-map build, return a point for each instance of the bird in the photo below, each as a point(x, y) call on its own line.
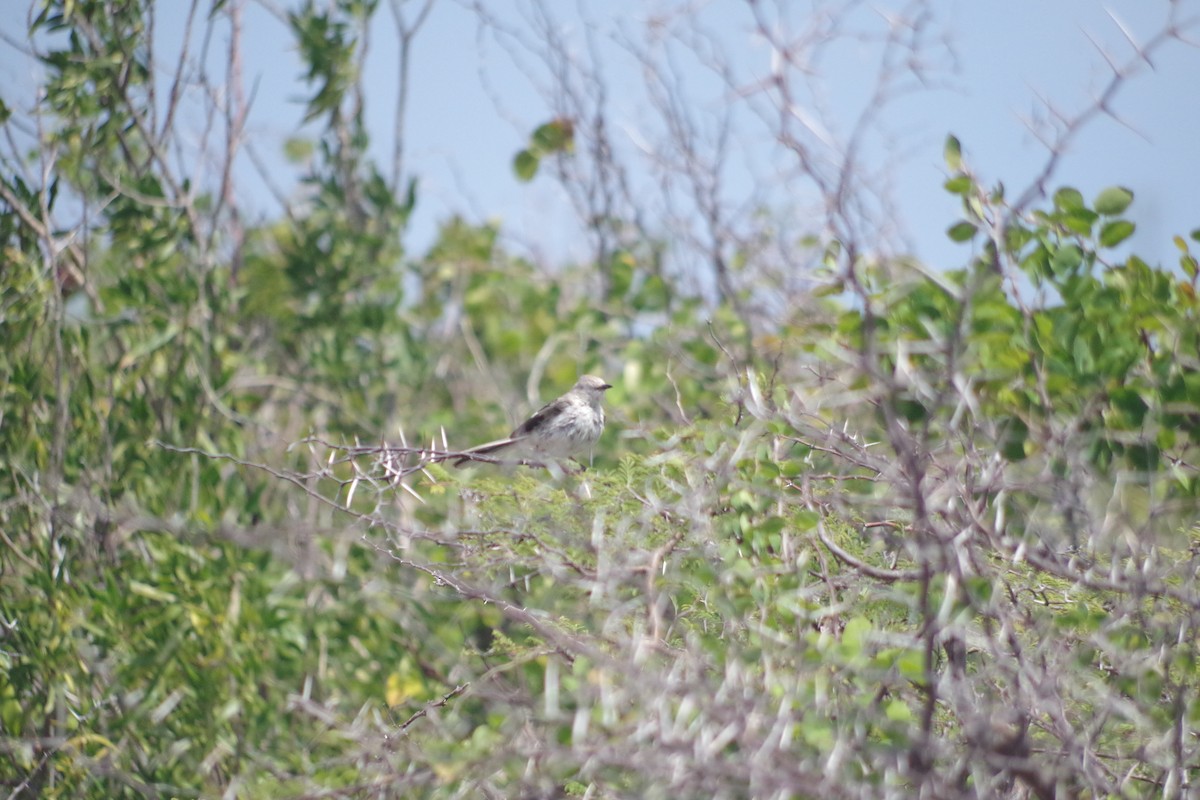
point(560, 429)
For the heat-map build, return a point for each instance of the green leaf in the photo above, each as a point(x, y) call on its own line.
point(806, 520)
point(1066, 259)
point(1131, 404)
point(1113, 200)
point(1068, 199)
point(911, 665)
point(1189, 265)
point(1144, 456)
point(1080, 220)
point(1113, 233)
point(557, 135)
point(1012, 442)
point(1081, 352)
point(961, 231)
point(525, 165)
point(898, 711)
point(855, 634)
point(297, 150)
point(151, 592)
point(952, 152)
point(959, 184)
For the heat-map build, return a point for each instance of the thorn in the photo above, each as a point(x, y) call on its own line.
point(1137, 48)
point(1104, 53)
point(410, 490)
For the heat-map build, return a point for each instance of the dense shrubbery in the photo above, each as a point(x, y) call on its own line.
point(934, 534)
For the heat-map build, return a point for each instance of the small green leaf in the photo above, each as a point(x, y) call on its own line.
point(855, 634)
point(151, 592)
point(554, 136)
point(961, 231)
point(959, 184)
point(1081, 352)
point(911, 665)
point(1080, 220)
point(1113, 200)
point(975, 206)
point(1113, 233)
point(1131, 404)
point(1037, 263)
point(806, 520)
point(898, 711)
point(1189, 265)
point(525, 165)
point(1144, 456)
point(833, 252)
point(297, 150)
point(1012, 442)
point(952, 152)
point(1066, 259)
point(1068, 199)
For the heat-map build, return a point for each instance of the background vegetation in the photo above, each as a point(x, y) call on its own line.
point(858, 528)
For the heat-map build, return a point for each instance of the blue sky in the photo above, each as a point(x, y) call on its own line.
point(1010, 58)
point(470, 109)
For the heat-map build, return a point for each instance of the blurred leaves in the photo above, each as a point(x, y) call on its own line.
point(556, 136)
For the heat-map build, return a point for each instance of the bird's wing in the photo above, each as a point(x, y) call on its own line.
point(540, 418)
point(543, 414)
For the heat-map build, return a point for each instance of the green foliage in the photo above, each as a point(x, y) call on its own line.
point(555, 136)
point(182, 664)
point(1104, 355)
point(327, 46)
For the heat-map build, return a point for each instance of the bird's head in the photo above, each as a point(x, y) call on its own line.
point(592, 385)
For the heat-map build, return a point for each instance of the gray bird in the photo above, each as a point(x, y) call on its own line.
point(560, 429)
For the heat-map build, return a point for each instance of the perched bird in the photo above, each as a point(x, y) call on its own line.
point(561, 429)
